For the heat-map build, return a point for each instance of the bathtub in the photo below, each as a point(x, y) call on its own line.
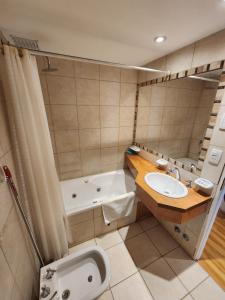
point(83, 197)
point(84, 193)
point(188, 161)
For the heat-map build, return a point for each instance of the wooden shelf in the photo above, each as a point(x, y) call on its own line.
point(169, 209)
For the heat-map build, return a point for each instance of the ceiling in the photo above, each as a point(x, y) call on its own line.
point(118, 31)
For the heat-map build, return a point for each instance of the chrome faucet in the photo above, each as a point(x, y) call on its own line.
point(175, 171)
point(192, 168)
point(49, 273)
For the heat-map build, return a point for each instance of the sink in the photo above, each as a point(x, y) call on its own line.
point(166, 185)
point(82, 275)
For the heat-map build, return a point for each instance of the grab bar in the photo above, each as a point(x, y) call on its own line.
point(9, 180)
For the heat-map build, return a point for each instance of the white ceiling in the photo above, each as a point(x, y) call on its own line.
point(113, 30)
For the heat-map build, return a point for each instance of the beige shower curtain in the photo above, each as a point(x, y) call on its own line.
point(38, 181)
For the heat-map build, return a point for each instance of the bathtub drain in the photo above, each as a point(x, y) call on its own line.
point(74, 195)
point(90, 278)
point(98, 189)
point(65, 294)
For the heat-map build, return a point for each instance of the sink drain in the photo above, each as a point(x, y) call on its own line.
point(98, 189)
point(90, 278)
point(65, 294)
point(74, 195)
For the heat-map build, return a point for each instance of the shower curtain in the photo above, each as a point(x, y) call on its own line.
point(38, 182)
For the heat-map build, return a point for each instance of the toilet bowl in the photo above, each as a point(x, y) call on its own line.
point(83, 275)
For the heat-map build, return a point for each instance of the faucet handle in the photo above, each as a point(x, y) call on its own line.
point(189, 183)
point(49, 273)
point(45, 291)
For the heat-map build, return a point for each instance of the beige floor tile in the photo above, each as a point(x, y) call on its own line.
point(142, 250)
point(132, 288)
point(148, 223)
point(106, 296)
point(108, 240)
point(82, 246)
point(130, 231)
point(162, 239)
point(208, 290)
point(121, 264)
point(162, 281)
point(189, 271)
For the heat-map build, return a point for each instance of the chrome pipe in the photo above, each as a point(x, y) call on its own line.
point(9, 180)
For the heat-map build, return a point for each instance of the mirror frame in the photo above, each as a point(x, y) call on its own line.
point(218, 65)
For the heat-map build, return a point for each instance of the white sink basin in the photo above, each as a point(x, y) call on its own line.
point(84, 275)
point(166, 185)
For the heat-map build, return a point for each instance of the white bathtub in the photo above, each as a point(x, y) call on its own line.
point(88, 192)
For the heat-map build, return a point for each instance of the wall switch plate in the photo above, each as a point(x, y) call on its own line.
point(215, 156)
point(222, 122)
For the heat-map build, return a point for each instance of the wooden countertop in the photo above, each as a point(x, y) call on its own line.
point(143, 167)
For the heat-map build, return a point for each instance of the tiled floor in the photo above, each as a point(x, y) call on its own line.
point(147, 264)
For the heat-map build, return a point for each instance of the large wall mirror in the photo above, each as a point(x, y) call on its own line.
point(173, 116)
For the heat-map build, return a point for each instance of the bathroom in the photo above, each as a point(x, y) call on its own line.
point(77, 192)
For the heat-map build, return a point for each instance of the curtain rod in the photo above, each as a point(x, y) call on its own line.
point(83, 59)
point(94, 61)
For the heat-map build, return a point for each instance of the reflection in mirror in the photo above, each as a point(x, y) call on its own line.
point(173, 116)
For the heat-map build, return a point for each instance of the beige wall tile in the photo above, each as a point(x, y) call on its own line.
point(89, 138)
point(7, 281)
point(71, 175)
point(157, 96)
point(82, 232)
point(66, 140)
point(180, 60)
point(125, 135)
point(109, 116)
point(209, 49)
point(88, 116)
point(101, 228)
point(127, 116)
point(109, 137)
point(61, 90)
point(144, 96)
point(87, 92)
point(87, 70)
point(44, 88)
point(81, 217)
point(129, 76)
point(109, 155)
point(143, 116)
point(64, 116)
point(155, 116)
point(109, 93)
point(128, 94)
point(69, 161)
point(109, 73)
point(65, 67)
point(91, 161)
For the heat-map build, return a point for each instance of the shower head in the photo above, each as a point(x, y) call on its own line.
point(49, 67)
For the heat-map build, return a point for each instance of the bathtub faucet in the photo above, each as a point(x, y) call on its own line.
point(49, 273)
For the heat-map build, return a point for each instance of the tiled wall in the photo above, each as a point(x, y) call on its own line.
point(90, 110)
point(173, 116)
point(18, 271)
point(207, 50)
point(202, 115)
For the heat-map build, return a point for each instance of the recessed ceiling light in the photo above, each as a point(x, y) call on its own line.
point(160, 39)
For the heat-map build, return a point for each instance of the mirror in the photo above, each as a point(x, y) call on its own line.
point(173, 116)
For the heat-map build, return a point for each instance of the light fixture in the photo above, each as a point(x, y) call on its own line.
point(160, 39)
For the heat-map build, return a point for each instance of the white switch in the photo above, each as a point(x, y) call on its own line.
point(222, 122)
point(215, 156)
